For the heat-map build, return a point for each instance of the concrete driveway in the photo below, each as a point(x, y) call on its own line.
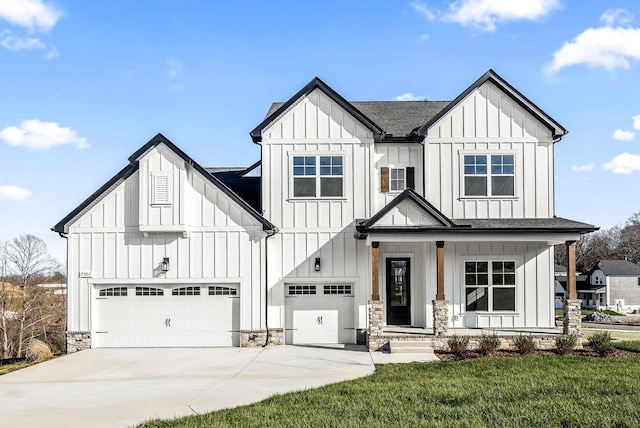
point(123, 387)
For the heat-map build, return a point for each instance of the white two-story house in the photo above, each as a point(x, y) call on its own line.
point(359, 215)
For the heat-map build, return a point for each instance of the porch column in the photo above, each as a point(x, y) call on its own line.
point(374, 336)
point(440, 305)
point(572, 322)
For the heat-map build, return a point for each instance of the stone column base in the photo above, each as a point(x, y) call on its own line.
point(572, 323)
point(78, 341)
point(376, 324)
point(256, 338)
point(440, 317)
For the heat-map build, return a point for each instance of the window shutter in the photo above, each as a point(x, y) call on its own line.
point(384, 179)
point(411, 178)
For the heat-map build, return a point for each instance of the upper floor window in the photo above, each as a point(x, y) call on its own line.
point(496, 178)
point(318, 176)
point(396, 179)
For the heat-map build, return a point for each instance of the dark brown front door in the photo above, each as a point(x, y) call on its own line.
point(398, 295)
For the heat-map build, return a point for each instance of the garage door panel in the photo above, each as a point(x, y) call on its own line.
point(167, 321)
point(319, 318)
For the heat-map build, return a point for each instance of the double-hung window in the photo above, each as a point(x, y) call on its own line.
point(318, 176)
point(490, 285)
point(489, 175)
point(397, 180)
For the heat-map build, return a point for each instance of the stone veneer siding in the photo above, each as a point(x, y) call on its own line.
point(440, 317)
point(572, 323)
point(375, 340)
point(255, 338)
point(78, 341)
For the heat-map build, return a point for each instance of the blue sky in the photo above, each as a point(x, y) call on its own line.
point(85, 84)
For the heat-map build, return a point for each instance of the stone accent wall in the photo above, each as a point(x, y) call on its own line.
point(376, 325)
point(255, 338)
point(572, 323)
point(440, 317)
point(506, 342)
point(78, 341)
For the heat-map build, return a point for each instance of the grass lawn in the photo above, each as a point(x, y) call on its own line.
point(15, 366)
point(570, 391)
point(628, 345)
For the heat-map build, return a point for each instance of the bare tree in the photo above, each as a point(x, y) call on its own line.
point(629, 245)
point(29, 264)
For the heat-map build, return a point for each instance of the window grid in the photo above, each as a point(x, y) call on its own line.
point(301, 289)
point(149, 291)
point(186, 291)
point(217, 290)
point(311, 181)
point(113, 292)
point(337, 289)
point(490, 286)
point(397, 179)
point(480, 179)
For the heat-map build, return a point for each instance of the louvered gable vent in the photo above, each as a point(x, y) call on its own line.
point(161, 189)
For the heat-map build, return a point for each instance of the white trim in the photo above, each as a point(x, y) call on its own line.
point(309, 153)
point(164, 282)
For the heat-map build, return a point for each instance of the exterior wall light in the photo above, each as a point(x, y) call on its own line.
point(316, 265)
point(164, 266)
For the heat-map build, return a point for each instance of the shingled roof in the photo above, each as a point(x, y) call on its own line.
point(617, 268)
point(396, 118)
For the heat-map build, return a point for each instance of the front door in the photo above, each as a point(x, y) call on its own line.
point(398, 295)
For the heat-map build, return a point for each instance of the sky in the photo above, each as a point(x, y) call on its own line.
point(84, 84)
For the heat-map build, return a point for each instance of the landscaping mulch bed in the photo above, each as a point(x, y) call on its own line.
point(502, 353)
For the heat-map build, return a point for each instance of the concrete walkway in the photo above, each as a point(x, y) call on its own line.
point(123, 387)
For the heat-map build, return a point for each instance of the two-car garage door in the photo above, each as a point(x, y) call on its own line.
point(319, 314)
point(152, 316)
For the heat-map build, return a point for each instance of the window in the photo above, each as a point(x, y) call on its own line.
point(186, 291)
point(217, 290)
point(161, 188)
point(598, 280)
point(496, 179)
point(301, 289)
point(490, 286)
point(149, 291)
point(113, 292)
point(337, 289)
point(397, 179)
point(318, 176)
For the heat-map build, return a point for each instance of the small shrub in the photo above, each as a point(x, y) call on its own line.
point(566, 343)
point(601, 343)
point(525, 344)
point(459, 345)
point(488, 343)
point(38, 351)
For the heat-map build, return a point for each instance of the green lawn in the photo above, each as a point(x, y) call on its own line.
point(570, 391)
point(15, 366)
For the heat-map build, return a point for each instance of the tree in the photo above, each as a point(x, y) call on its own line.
point(629, 245)
point(28, 264)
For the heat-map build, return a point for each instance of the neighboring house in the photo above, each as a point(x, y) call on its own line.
point(54, 288)
point(611, 284)
point(431, 214)
point(560, 272)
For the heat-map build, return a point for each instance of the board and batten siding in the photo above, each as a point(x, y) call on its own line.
point(316, 227)
point(396, 155)
point(489, 122)
point(223, 245)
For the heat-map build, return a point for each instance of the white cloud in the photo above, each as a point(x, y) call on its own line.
point(13, 193)
point(605, 47)
point(624, 163)
point(612, 17)
point(485, 14)
point(582, 168)
point(34, 15)
point(636, 122)
point(174, 68)
point(409, 96)
point(621, 135)
point(39, 135)
point(13, 43)
point(424, 37)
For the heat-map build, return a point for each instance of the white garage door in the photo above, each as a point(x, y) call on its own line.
point(145, 316)
point(319, 314)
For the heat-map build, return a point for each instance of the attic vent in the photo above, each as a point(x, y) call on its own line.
point(161, 189)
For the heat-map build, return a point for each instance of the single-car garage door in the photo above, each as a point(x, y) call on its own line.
point(317, 314)
point(151, 316)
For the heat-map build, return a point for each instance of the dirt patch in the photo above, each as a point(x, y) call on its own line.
point(471, 355)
